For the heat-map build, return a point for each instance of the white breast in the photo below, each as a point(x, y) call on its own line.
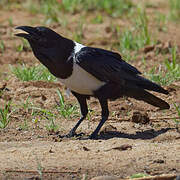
point(81, 81)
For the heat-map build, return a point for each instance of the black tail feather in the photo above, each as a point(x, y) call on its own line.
point(141, 94)
point(149, 85)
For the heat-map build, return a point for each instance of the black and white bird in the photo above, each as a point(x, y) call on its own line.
point(89, 71)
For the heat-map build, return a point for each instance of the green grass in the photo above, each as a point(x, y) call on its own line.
point(2, 46)
point(78, 33)
point(161, 21)
point(174, 13)
point(138, 175)
point(10, 21)
point(114, 8)
point(49, 8)
point(136, 37)
point(53, 10)
point(142, 25)
point(98, 19)
point(4, 115)
point(170, 72)
point(34, 73)
point(23, 46)
point(50, 116)
point(52, 127)
point(66, 110)
point(36, 114)
point(177, 121)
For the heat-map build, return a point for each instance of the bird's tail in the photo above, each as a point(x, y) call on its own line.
point(149, 85)
point(141, 94)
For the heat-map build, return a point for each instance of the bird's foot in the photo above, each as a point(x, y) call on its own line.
point(93, 136)
point(72, 134)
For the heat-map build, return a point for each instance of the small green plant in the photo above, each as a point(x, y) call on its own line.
point(171, 72)
point(51, 127)
point(19, 48)
point(10, 21)
point(54, 9)
point(24, 46)
point(35, 73)
point(78, 34)
point(137, 37)
point(27, 105)
point(97, 19)
point(24, 126)
point(4, 115)
point(39, 114)
point(39, 168)
point(2, 46)
point(158, 77)
point(177, 121)
point(65, 110)
point(50, 9)
point(172, 66)
point(174, 10)
point(113, 8)
point(142, 25)
point(161, 21)
point(138, 175)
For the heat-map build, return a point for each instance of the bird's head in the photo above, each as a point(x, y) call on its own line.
point(38, 36)
point(50, 48)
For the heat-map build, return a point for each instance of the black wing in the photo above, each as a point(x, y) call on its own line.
point(108, 66)
point(105, 65)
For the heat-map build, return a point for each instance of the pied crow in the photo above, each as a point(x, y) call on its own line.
point(89, 71)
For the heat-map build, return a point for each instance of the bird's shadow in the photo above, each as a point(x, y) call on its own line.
point(144, 135)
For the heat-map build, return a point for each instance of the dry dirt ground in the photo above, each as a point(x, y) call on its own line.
point(124, 146)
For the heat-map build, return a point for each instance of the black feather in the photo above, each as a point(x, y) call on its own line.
point(109, 67)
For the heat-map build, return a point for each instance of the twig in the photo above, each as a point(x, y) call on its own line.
point(32, 171)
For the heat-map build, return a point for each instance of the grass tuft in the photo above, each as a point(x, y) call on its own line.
point(2, 46)
point(177, 121)
point(174, 10)
point(34, 73)
point(136, 37)
point(171, 72)
point(53, 9)
point(66, 110)
point(114, 8)
point(4, 115)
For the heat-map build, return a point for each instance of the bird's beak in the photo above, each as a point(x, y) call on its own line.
point(28, 32)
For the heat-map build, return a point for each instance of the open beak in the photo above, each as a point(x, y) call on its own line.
point(28, 32)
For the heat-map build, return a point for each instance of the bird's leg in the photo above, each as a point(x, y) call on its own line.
point(104, 117)
point(84, 110)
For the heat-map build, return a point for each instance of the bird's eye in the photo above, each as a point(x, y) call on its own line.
point(40, 31)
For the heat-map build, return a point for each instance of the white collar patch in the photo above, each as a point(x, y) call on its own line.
point(78, 47)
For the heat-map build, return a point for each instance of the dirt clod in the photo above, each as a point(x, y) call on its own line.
point(148, 49)
point(140, 117)
point(108, 129)
point(160, 161)
point(85, 148)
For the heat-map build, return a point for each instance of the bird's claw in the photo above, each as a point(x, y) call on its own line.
point(93, 136)
point(72, 134)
